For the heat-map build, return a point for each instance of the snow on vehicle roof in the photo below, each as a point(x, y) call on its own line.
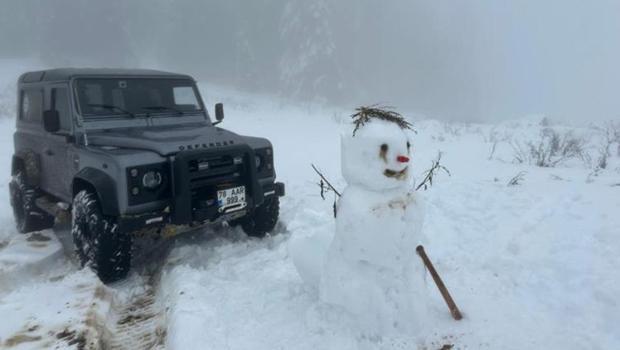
point(60, 74)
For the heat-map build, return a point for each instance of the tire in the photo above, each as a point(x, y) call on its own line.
point(98, 242)
point(263, 219)
point(28, 217)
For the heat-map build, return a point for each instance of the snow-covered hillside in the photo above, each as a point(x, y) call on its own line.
point(532, 266)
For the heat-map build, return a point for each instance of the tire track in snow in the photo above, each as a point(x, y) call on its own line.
point(135, 319)
point(135, 323)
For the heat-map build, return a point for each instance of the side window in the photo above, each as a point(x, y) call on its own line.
point(31, 106)
point(60, 102)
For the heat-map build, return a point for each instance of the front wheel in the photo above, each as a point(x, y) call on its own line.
point(263, 219)
point(98, 241)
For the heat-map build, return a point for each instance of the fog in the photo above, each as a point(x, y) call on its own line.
point(446, 59)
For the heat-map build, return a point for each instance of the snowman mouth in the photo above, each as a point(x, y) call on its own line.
point(398, 175)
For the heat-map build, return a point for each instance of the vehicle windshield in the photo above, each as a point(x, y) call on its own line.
point(131, 97)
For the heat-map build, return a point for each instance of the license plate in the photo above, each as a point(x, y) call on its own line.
point(231, 199)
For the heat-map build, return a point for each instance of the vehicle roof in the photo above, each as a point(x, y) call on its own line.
point(64, 74)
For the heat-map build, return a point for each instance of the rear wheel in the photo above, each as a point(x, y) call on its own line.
point(98, 242)
point(263, 219)
point(28, 217)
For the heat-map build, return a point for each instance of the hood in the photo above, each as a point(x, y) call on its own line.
point(166, 140)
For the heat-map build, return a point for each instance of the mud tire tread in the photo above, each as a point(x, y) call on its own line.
point(263, 219)
point(28, 217)
point(98, 241)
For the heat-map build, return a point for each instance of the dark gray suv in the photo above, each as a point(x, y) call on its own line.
point(121, 152)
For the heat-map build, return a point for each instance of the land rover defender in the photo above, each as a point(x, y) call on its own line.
point(119, 152)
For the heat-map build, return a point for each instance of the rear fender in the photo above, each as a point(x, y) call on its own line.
point(29, 163)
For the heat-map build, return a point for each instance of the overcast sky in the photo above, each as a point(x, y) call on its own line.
point(448, 59)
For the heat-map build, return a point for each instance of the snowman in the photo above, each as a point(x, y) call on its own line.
point(370, 269)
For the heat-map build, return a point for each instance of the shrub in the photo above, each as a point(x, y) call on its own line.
point(610, 135)
point(551, 149)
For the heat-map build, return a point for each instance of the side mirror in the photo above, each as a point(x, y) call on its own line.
point(51, 121)
point(219, 113)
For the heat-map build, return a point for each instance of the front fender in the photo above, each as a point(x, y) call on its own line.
point(103, 185)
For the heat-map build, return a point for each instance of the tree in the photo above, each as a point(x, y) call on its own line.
point(308, 66)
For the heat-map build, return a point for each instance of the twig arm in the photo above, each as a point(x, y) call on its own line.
point(430, 173)
point(326, 181)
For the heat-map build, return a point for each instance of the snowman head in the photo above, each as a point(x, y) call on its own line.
point(377, 156)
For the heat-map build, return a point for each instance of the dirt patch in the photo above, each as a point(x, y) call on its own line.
point(445, 342)
point(56, 278)
point(3, 244)
point(129, 319)
point(38, 237)
point(79, 340)
point(136, 310)
point(21, 338)
point(72, 338)
point(65, 334)
point(160, 334)
point(101, 293)
point(37, 244)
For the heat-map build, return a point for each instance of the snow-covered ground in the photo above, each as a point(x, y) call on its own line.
point(532, 266)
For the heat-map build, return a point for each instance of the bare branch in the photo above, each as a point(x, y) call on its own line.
point(325, 184)
point(493, 148)
point(516, 180)
point(430, 173)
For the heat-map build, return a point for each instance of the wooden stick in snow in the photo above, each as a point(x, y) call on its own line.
point(454, 310)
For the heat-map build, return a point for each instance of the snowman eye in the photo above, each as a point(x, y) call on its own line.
point(408, 146)
point(383, 153)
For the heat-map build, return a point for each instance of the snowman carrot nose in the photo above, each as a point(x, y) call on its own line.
point(402, 159)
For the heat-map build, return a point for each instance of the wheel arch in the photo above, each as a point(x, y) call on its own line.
point(102, 185)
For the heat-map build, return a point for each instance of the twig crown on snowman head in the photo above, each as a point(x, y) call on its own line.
point(377, 155)
point(365, 114)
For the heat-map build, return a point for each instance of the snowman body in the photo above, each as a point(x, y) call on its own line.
point(371, 268)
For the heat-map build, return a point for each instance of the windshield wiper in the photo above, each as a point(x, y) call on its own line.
point(112, 107)
point(163, 108)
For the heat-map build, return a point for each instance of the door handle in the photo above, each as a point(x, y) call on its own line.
point(49, 152)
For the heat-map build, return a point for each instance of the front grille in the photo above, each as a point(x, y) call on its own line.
point(213, 170)
point(207, 176)
point(200, 174)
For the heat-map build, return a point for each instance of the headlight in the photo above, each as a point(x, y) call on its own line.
point(151, 179)
point(264, 161)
